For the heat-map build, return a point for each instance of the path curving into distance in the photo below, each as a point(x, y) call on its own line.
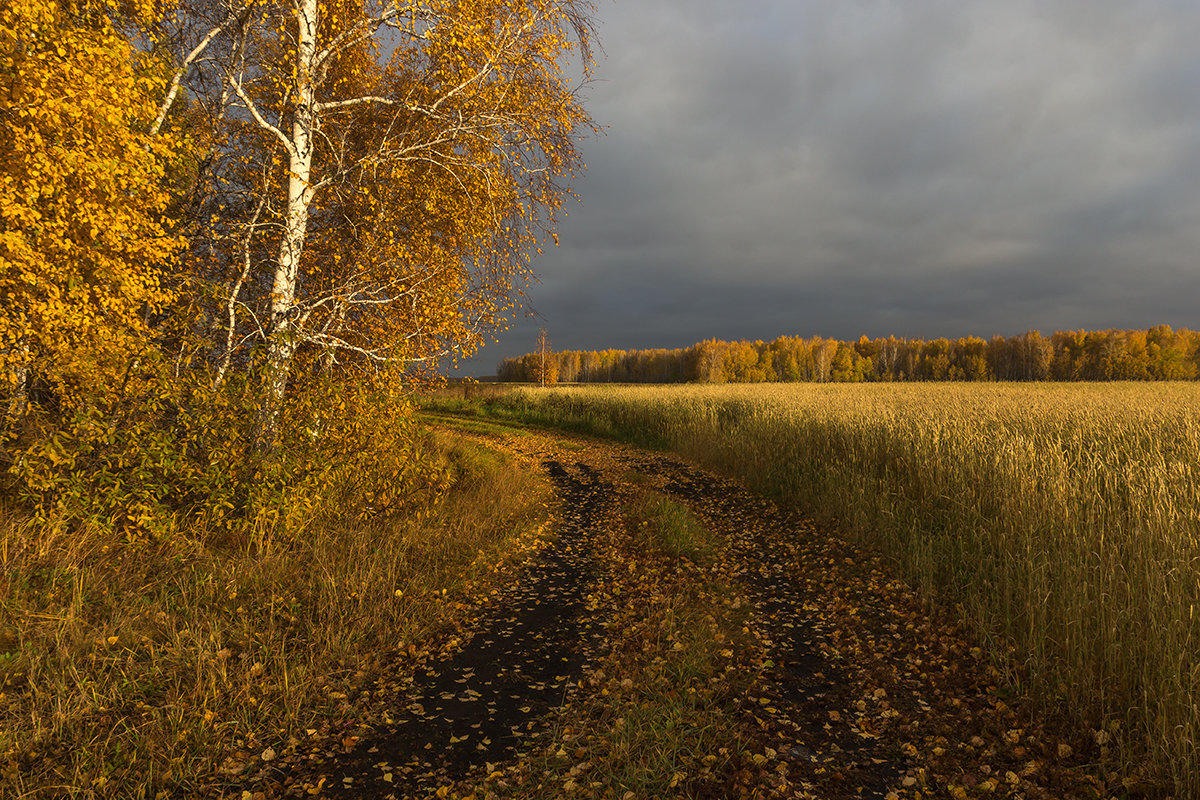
point(857, 691)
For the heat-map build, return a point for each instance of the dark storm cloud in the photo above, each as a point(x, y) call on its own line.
point(926, 167)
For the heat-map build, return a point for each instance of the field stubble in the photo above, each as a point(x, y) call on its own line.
point(1062, 520)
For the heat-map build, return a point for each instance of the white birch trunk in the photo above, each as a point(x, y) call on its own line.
point(282, 345)
point(18, 402)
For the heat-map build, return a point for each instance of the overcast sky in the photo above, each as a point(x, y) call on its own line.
point(911, 167)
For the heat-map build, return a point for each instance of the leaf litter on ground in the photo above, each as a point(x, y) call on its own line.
point(628, 660)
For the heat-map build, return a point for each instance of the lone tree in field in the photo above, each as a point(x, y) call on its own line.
point(546, 365)
point(373, 175)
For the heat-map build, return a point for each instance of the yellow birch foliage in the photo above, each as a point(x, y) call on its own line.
point(81, 195)
point(445, 153)
point(475, 206)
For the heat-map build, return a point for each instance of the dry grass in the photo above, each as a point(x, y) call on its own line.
point(1064, 520)
point(133, 671)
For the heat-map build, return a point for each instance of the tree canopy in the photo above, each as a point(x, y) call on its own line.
point(229, 226)
point(1158, 353)
point(83, 188)
point(377, 174)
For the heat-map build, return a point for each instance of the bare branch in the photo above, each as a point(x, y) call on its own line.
point(173, 90)
point(237, 290)
point(258, 117)
point(358, 101)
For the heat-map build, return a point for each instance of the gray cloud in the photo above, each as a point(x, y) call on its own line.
point(926, 167)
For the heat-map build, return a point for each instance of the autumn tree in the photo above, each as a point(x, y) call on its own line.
point(378, 174)
point(971, 355)
point(822, 350)
point(1169, 354)
point(545, 365)
point(1158, 353)
point(568, 366)
point(82, 194)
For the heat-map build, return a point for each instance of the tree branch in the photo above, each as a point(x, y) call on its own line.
point(236, 291)
point(173, 91)
point(258, 117)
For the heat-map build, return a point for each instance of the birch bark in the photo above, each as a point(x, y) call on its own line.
point(18, 401)
point(281, 340)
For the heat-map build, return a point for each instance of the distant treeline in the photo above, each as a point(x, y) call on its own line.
point(1139, 355)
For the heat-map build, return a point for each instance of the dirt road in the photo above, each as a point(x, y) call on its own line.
point(843, 683)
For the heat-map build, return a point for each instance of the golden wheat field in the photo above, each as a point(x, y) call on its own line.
point(1062, 519)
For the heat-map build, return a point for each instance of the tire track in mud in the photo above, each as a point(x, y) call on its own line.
point(801, 695)
point(524, 659)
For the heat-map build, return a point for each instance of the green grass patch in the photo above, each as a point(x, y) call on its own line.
point(472, 424)
point(668, 526)
point(515, 409)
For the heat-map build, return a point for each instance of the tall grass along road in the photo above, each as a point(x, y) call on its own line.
point(1060, 522)
point(745, 654)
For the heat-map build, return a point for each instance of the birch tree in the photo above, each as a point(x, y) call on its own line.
point(82, 194)
point(378, 175)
